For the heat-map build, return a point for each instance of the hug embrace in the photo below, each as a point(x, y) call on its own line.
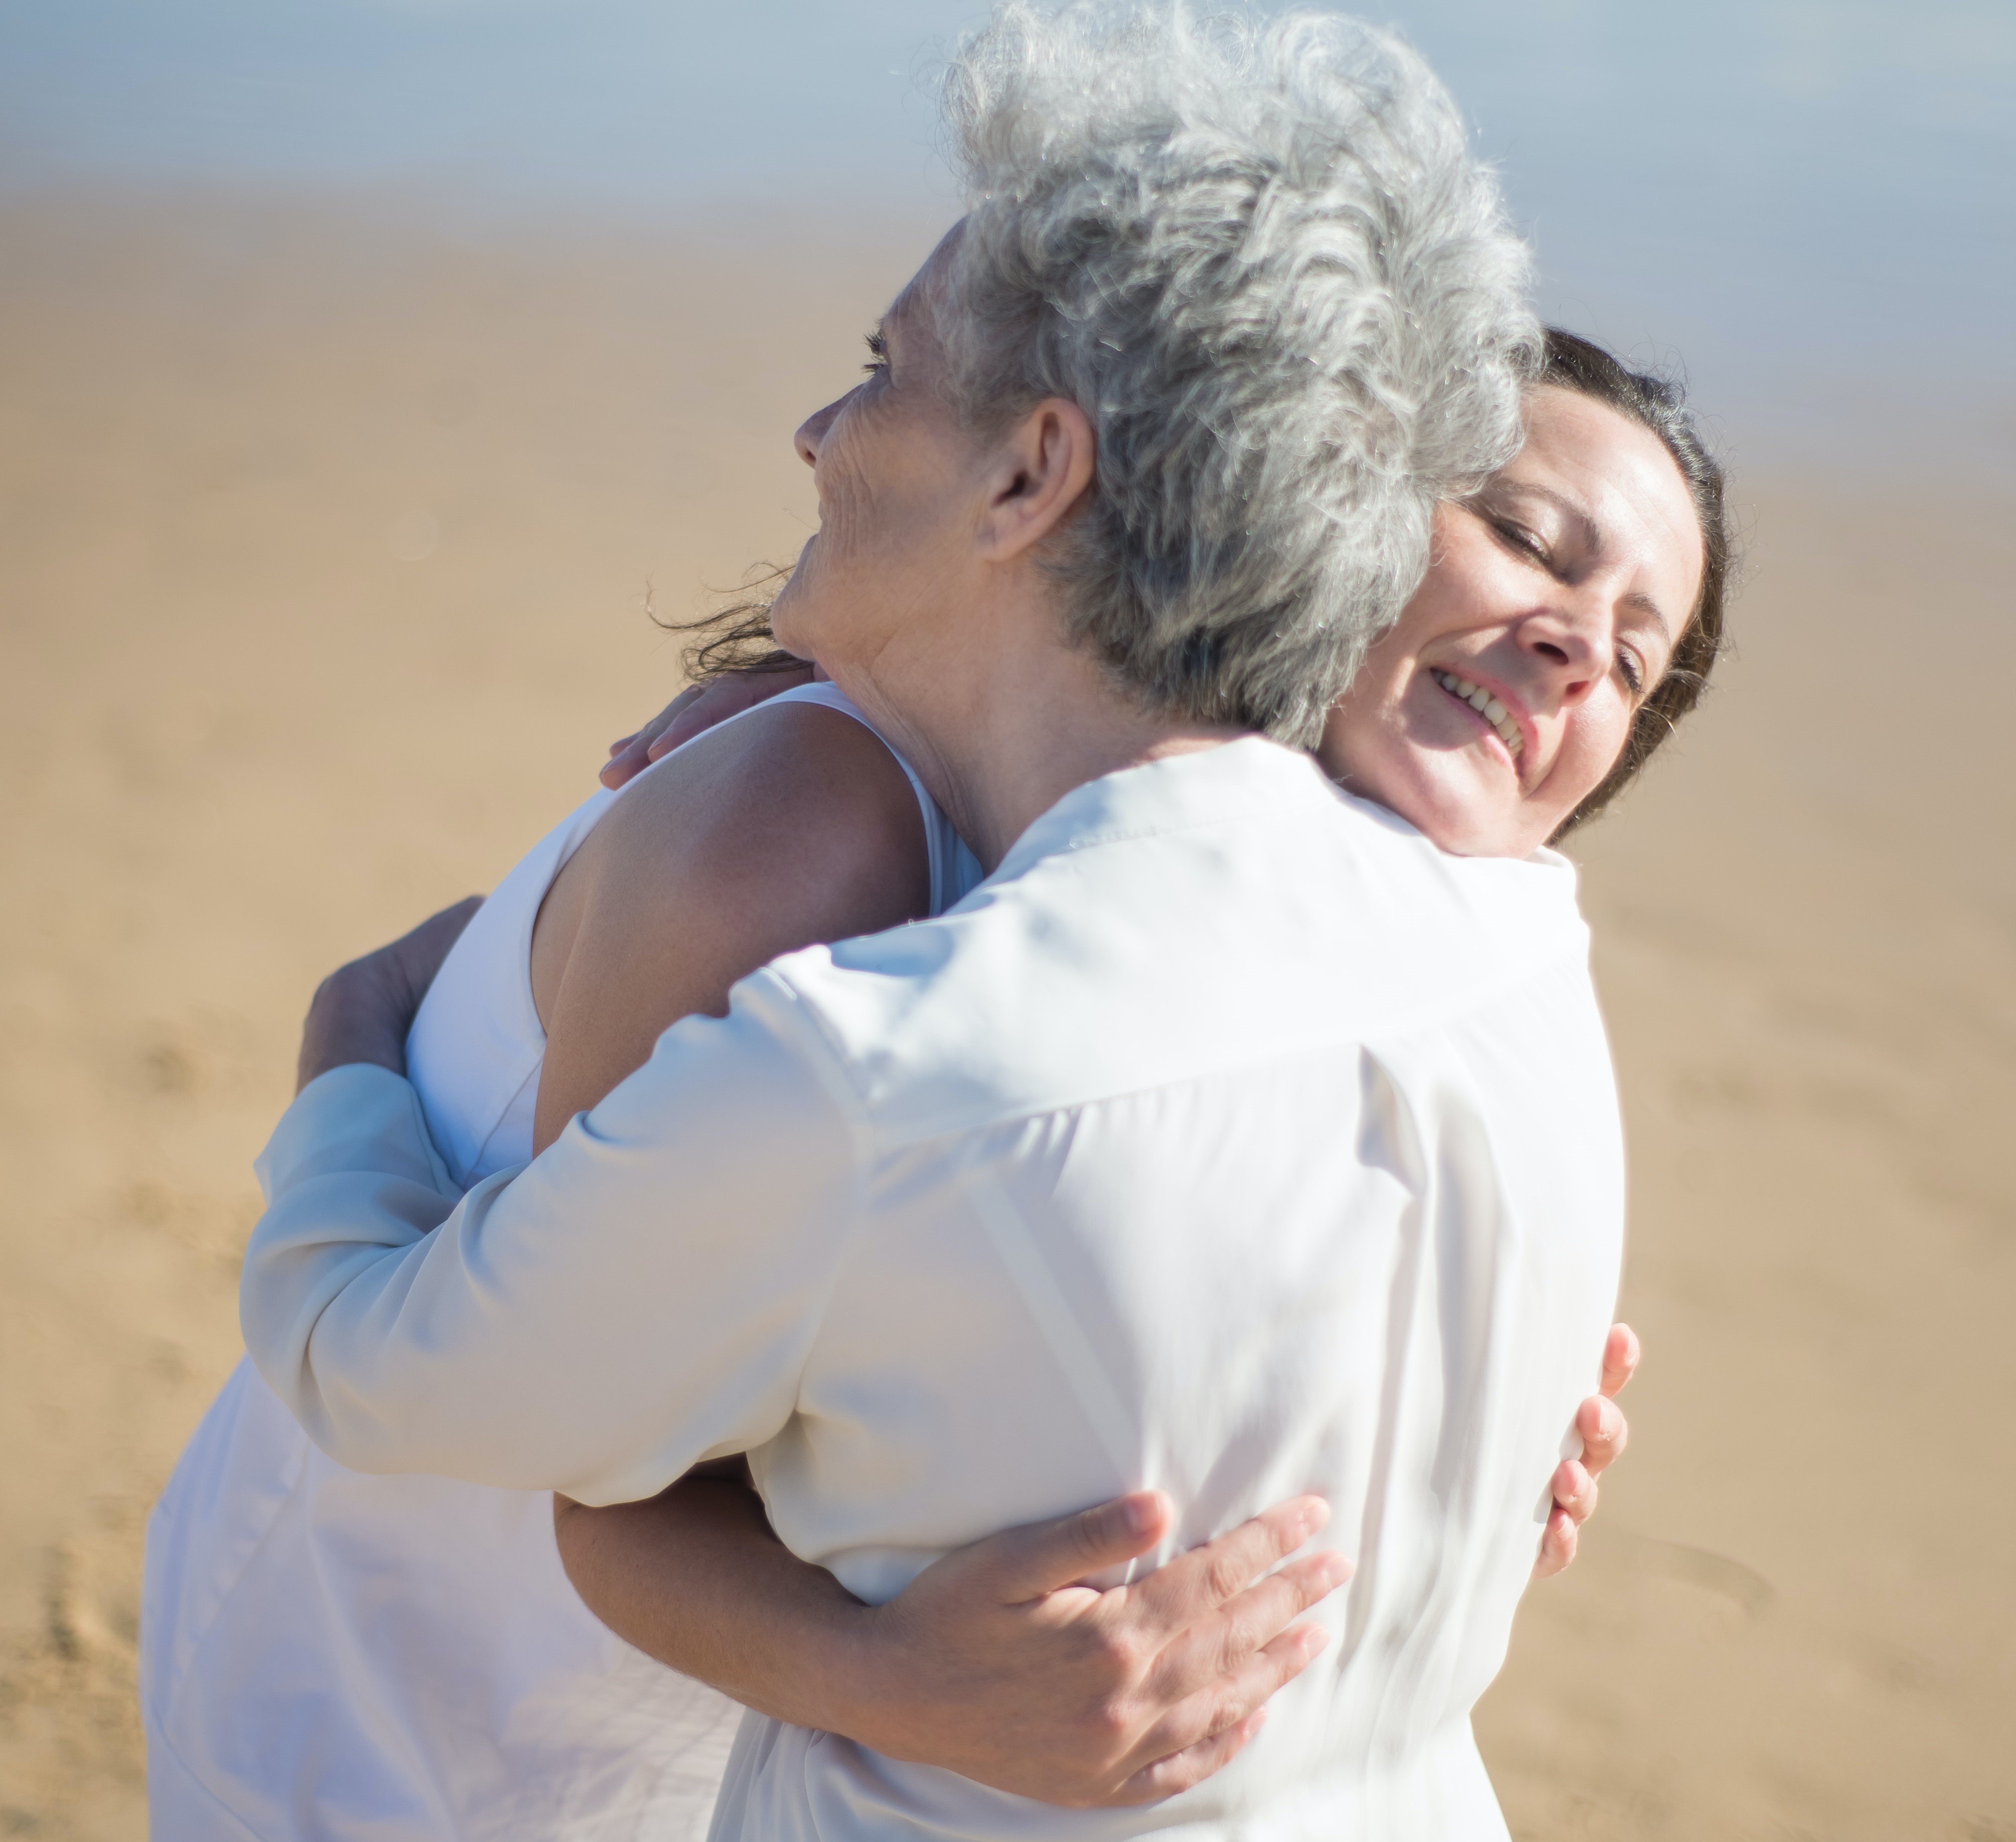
point(1010, 1233)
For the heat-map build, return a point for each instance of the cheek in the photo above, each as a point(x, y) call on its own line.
point(1592, 748)
point(1363, 727)
point(880, 498)
point(840, 479)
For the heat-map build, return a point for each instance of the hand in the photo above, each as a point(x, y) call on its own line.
point(1604, 1434)
point(993, 1664)
point(362, 1012)
point(697, 709)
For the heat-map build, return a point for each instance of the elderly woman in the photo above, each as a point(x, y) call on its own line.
point(805, 1317)
point(1543, 569)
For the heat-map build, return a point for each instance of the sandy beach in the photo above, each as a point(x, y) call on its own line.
point(326, 540)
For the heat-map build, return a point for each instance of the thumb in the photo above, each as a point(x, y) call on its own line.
point(1045, 1557)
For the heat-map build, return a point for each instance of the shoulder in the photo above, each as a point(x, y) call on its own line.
point(783, 828)
point(1126, 957)
point(796, 796)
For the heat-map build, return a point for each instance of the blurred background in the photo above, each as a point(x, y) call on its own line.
point(363, 365)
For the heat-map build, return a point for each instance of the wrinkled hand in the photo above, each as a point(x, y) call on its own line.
point(994, 1663)
point(695, 709)
point(1604, 1434)
point(362, 1012)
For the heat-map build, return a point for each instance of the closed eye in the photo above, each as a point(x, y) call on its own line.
point(1518, 537)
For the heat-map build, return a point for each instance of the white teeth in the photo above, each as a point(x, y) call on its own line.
point(1492, 709)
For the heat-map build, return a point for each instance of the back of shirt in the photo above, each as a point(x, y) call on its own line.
point(1236, 1142)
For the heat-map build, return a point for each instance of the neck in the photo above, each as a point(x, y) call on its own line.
point(998, 740)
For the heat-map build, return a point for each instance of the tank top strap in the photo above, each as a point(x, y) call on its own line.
point(954, 869)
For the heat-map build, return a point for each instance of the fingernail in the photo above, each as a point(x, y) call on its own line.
point(1142, 1514)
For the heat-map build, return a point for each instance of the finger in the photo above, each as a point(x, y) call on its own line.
point(1604, 1431)
point(1557, 1545)
point(629, 755)
point(1229, 1704)
point(1195, 1584)
point(685, 701)
point(709, 704)
point(621, 769)
point(689, 723)
point(1620, 1358)
point(1218, 1646)
point(641, 751)
point(1191, 1766)
point(1042, 1558)
point(1575, 1491)
point(727, 696)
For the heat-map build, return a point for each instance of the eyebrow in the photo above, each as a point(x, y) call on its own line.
point(1592, 536)
point(1645, 604)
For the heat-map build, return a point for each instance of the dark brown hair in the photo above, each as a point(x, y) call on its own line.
point(1659, 405)
point(736, 638)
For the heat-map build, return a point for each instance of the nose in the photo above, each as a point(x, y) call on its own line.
point(1570, 640)
point(812, 430)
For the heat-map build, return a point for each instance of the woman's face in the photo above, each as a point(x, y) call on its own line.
point(896, 478)
point(1554, 601)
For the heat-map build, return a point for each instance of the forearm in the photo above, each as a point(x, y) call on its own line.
point(990, 1662)
point(696, 1578)
point(577, 1325)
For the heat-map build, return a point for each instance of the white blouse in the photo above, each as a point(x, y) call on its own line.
point(1230, 1139)
point(332, 1653)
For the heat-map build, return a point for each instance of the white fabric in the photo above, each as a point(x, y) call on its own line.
point(1229, 1139)
point(332, 1654)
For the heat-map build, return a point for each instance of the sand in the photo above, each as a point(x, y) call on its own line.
point(325, 536)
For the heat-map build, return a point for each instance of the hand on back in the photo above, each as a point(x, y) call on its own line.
point(995, 1665)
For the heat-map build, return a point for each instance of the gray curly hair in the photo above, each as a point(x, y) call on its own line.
point(1259, 257)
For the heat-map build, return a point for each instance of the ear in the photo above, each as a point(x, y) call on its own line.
point(1043, 469)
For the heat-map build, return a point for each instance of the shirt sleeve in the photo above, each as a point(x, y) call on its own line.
point(640, 1297)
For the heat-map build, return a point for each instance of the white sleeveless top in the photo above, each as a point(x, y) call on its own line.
point(329, 1654)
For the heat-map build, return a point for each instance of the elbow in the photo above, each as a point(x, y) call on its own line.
point(576, 1529)
point(569, 1527)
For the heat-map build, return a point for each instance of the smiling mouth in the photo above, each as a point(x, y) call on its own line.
point(1487, 706)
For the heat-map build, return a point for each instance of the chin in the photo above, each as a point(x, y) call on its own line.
point(1452, 822)
point(786, 626)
